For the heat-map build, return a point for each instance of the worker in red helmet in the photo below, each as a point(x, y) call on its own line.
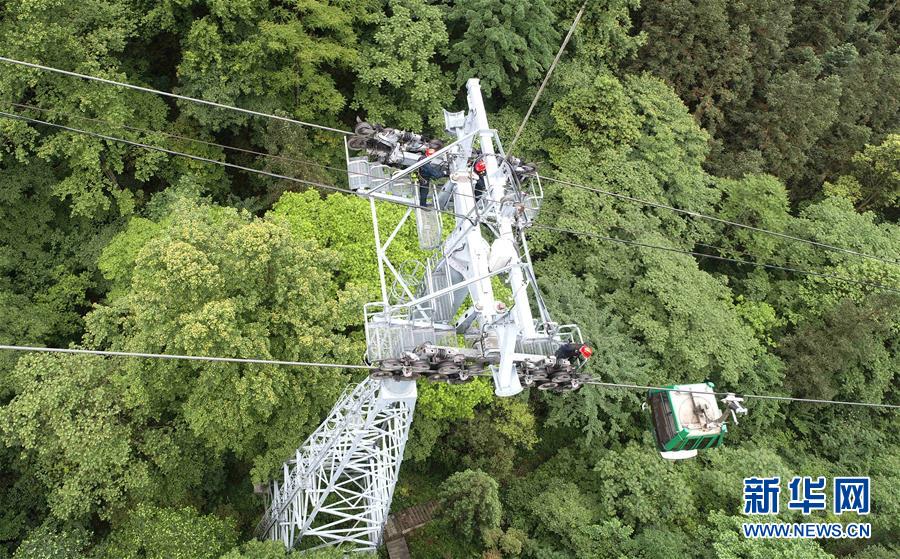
point(574, 351)
point(481, 171)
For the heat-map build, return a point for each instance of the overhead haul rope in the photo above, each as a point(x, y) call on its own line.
point(595, 382)
point(215, 144)
point(715, 257)
point(755, 396)
point(345, 132)
point(413, 205)
point(720, 220)
point(181, 357)
point(191, 139)
point(172, 95)
point(225, 163)
point(540, 90)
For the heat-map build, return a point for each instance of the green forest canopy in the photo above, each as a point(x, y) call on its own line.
point(782, 115)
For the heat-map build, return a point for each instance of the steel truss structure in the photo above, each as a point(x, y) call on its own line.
point(438, 317)
point(338, 487)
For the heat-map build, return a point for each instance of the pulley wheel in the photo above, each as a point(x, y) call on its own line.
point(364, 129)
point(448, 368)
point(390, 365)
point(438, 377)
point(420, 367)
point(549, 385)
point(357, 143)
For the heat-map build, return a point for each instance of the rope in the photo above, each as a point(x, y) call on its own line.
point(716, 257)
point(172, 95)
point(182, 357)
point(756, 396)
point(720, 220)
point(540, 90)
point(224, 163)
point(222, 146)
point(342, 366)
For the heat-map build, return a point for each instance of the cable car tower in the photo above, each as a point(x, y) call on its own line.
point(439, 317)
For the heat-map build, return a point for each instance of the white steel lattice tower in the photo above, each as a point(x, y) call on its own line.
point(438, 317)
point(338, 487)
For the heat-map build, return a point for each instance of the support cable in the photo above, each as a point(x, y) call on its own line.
point(417, 206)
point(540, 90)
point(225, 163)
point(189, 139)
point(595, 382)
point(346, 132)
point(222, 146)
point(720, 220)
point(180, 357)
point(716, 257)
point(173, 95)
point(756, 396)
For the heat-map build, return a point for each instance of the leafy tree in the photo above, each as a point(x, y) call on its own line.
point(469, 499)
point(875, 180)
point(726, 541)
point(715, 53)
point(269, 58)
point(399, 80)
point(348, 234)
point(595, 112)
point(255, 549)
point(605, 35)
point(157, 533)
point(506, 44)
point(598, 416)
point(22, 505)
point(757, 200)
point(847, 353)
point(560, 510)
point(98, 179)
point(628, 481)
point(832, 221)
point(50, 542)
point(85, 438)
point(807, 105)
point(766, 80)
point(192, 292)
point(47, 259)
point(438, 408)
point(507, 543)
point(491, 440)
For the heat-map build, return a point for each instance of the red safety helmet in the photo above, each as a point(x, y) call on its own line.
point(429, 151)
point(586, 351)
point(480, 167)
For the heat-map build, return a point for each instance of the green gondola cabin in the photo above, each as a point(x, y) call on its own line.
point(686, 418)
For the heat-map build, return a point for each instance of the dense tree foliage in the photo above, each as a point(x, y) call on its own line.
point(790, 88)
point(780, 115)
